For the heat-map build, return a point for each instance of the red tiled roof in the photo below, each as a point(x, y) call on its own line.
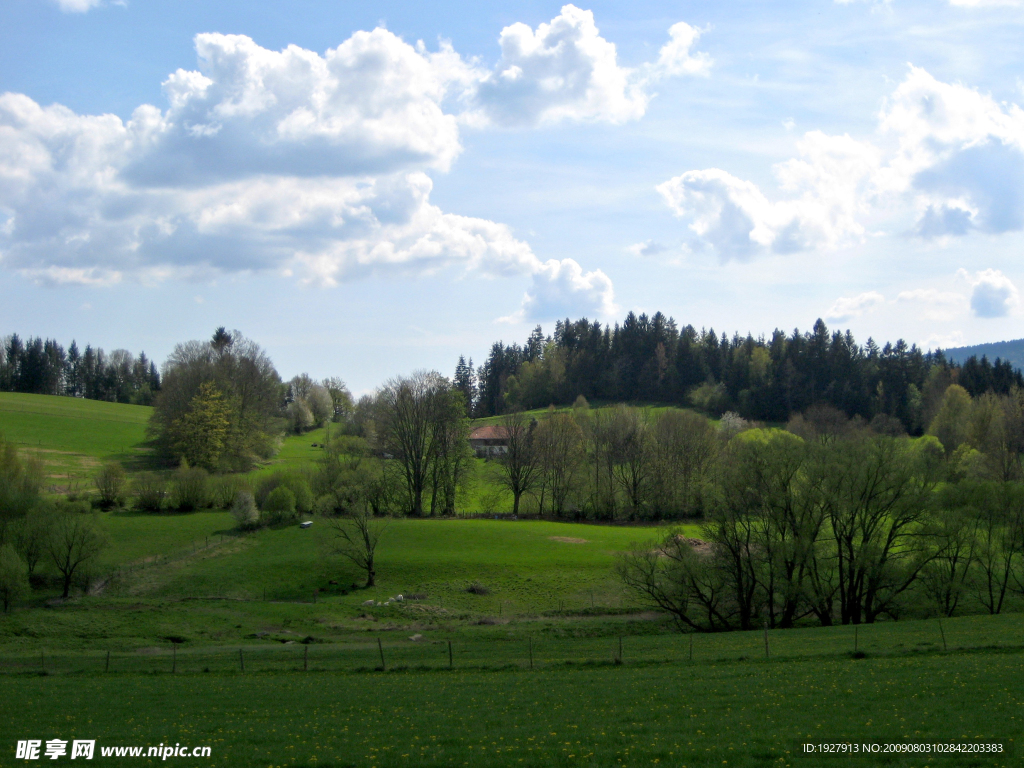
point(490, 432)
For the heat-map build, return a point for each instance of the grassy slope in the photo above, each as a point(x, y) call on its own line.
point(74, 435)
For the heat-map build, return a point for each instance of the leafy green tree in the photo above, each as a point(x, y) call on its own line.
point(952, 422)
point(251, 398)
point(201, 433)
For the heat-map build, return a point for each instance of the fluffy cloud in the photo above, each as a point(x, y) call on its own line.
point(562, 289)
point(735, 218)
point(308, 164)
point(951, 157)
point(993, 294)
point(850, 307)
point(565, 70)
point(675, 57)
point(264, 160)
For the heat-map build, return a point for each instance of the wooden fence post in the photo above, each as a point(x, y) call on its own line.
point(767, 651)
point(305, 659)
point(450, 664)
point(380, 648)
point(174, 659)
point(943, 635)
point(107, 667)
point(241, 660)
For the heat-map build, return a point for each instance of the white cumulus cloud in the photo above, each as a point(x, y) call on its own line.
point(566, 71)
point(849, 307)
point(951, 157)
point(993, 293)
point(828, 182)
point(560, 288)
point(290, 161)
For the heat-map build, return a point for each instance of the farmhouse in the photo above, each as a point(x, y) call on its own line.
point(488, 441)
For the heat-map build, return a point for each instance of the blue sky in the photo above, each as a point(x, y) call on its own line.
point(370, 188)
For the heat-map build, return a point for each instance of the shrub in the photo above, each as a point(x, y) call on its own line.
point(280, 504)
point(295, 482)
point(13, 576)
point(111, 482)
point(224, 490)
point(190, 488)
point(245, 511)
point(150, 491)
point(476, 588)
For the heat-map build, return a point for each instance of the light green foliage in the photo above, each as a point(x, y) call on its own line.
point(20, 484)
point(13, 576)
point(952, 423)
point(219, 403)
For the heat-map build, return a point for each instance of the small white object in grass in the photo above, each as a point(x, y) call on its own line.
point(306, 524)
point(416, 638)
point(399, 599)
point(368, 602)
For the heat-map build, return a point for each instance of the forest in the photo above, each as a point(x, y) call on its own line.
point(44, 367)
point(651, 359)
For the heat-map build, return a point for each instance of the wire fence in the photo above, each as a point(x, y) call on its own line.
point(520, 649)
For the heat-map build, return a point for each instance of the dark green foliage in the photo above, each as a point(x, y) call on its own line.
point(190, 488)
point(43, 367)
point(651, 359)
point(280, 505)
point(297, 484)
point(112, 484)
point(150, 491)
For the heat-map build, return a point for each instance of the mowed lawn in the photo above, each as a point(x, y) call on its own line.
point(721, 714)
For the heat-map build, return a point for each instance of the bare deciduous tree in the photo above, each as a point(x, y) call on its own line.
point(519, 465)
point(355, 538)
point(75, 541)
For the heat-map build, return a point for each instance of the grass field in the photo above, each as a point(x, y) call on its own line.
point(717, 713)
point(547, 662)
point(72, 435)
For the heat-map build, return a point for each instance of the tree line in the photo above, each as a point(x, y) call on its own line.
point(43, 367)
point(837, 530)
point(652, 359)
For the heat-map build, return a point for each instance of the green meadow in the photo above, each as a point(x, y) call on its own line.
point(514, 645)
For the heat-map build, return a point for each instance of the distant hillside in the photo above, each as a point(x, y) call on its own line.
point(1010, 351)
